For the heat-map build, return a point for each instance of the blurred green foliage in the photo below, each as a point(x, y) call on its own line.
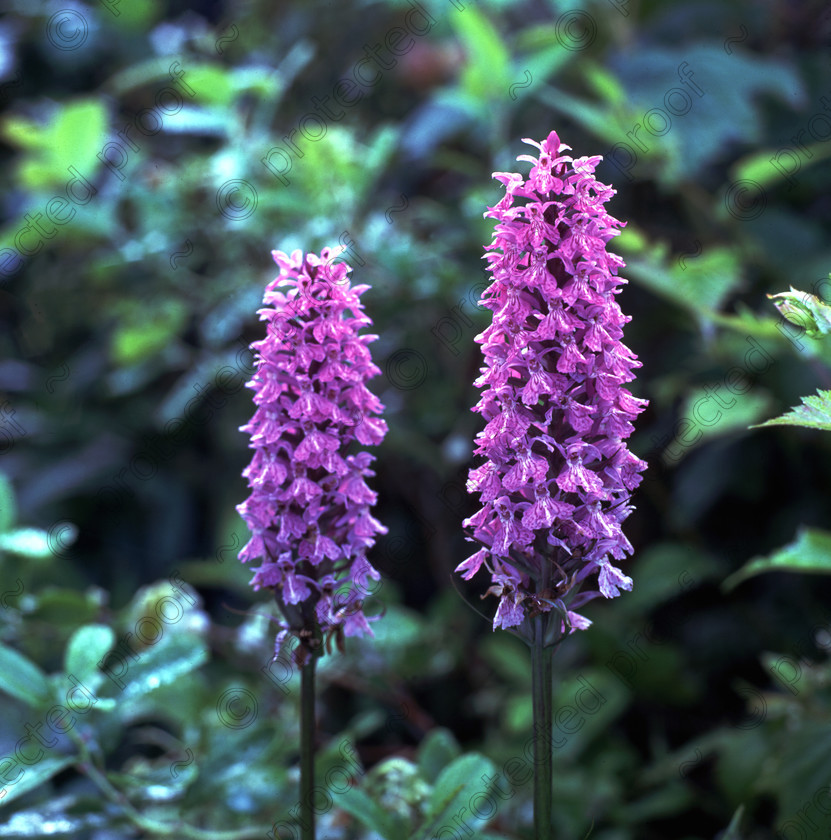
point(155, 154)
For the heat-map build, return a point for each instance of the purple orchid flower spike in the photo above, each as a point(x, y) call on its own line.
point(309, 508)
point(557, 475)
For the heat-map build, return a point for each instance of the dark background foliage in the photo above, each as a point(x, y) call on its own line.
point(122, 456)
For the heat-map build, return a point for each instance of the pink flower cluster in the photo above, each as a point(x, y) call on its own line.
point(309, 508)
point(557, 475)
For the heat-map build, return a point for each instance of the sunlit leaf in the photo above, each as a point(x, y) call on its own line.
point(438, 750)
point(87, 646)
point(814, 413)
point(805, 310)
point(810, 553)
point(28, 542)
point(21, 678)
point(33, 776)
point(452, 792)
point(485, 75)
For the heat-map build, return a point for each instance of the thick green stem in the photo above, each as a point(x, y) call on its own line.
point(307, 748)
point(543, 759)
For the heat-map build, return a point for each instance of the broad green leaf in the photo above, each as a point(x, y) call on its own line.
point(509, 658)
point(664, 571)
point(805, 310)
point(670, 799)
point(78, 135)
point(437, 751)
point(355, 802)
point(537, 50)
point(605, 83)
point(707, 115)
point(814, 413)
point(146, 331)
point(598, 119)
point(631, 240)
point(33, 776)
point(810, 553)
point(769, 166)
point(21, 678)
point(66, 609)
point(22, 132)
point(485, 74)
point(133, 16)
point(455, 787)
point(85, 650)
point(73, 137)
point(802, 771)
point(211, 83)
point(701, 284)
point(713, 411)
point(8, 507)
point(732, 832)
point(748, 323)
point(584, 707)
point(28, 542)
point(167, 630)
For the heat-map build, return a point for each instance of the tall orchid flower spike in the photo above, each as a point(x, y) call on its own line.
point(557, 476)
point(309, 508)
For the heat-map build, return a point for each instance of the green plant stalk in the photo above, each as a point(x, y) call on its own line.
point(542, 673)
point(307, 748)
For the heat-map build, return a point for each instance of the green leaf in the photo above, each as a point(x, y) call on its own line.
point(147, 331)
point(599, 120)
point(211, 82)
point(810, 553)
point(169, 630)
point(21, 678)
point(814, 413)
point(73, 137)
point(605, 83)
point(454, 788)
point(805, 310)
point(436, 752)
point(355, 802)
point(22, 132)
point(485, 74)
point(706, 416)
point(28, 542)
point(87, 647)
point(34, 776)
point(766, 168)
point(746, 322)
point(732, 832)
point(802, 765)
point(719, 114)
point(8, 508)
point(701, 284)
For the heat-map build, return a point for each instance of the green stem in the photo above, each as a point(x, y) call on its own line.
point(543, 759)
point(307, 748)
